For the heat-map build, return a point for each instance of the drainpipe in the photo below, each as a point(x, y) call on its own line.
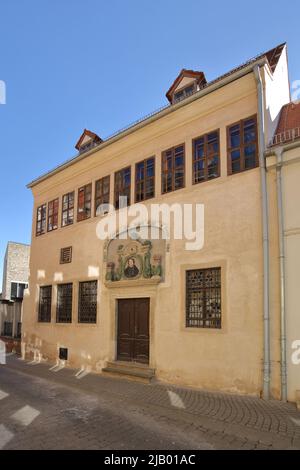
point(283, 362)
point(264, 196)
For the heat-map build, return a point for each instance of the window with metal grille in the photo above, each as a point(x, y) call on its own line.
point(206, 157)
point(7, 328)
point(203, 298)
point(102, 188)
point(145, 179)
point(173, 168)
point(45, 304)
point(122, 186)
point(41, 219)
point(19, 330)
point(67, 216)
point(84, 202)
point(242, 145)
point(53, 214)
point(87, 302)
point(66, 255)
point(64, 303)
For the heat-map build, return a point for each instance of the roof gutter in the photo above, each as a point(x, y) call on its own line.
point(170, 109)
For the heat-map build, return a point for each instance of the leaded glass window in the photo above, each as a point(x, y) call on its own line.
point(87, 302)
point(64, 303)
point(203, 298)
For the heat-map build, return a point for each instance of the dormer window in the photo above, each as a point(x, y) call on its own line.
point(87, 141)
point(184, 93)
point(185, 85)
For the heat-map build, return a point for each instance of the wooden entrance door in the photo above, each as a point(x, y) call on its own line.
point(133, 330)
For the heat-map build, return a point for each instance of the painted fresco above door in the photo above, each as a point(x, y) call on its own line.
point(135, 259)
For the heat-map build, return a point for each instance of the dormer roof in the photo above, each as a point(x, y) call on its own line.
point(87, 140)
point(184, 78)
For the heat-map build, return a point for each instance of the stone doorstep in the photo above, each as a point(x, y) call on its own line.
point(130, 371)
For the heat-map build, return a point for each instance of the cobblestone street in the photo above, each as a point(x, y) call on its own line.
point(46, 408)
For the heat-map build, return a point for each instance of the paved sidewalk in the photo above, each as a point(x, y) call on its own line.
point(213, 420)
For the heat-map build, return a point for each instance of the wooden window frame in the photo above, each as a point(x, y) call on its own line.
point(43, 208)
point(206, 156)
point(122, 187)
point(144, 179)
point(101, 199)
point(183, 90)
point(84, 215)
point(69, 208)
point(163, 172)
point(242, 146)
point(54, 216)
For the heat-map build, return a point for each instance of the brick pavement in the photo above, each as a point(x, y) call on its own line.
point(133, 415)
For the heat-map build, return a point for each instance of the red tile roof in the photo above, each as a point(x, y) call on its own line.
point(288, 127)
point(289, 117)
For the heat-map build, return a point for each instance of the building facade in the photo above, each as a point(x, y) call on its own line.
point(191, 317)
point(15, 281)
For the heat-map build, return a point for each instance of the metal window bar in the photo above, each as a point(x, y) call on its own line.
point(64, 303)
point(87, 302)
point(44, 314)
point(203, 298)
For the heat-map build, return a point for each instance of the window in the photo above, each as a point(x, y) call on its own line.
point(122, 186)
point(17, 290)
point(41, 220)
point(67, 217)
point(242, 145)
point(87, 302)
point(45, 304)
point(66, 255)
point(53, 214)
point(173, 169)
point(184, 93)
point(102, 195)
point(203, 298)
point(145, 179)
point(19, 330)
point(206, 157)
point(84, 202)
point(7, 328)
point(64, 303)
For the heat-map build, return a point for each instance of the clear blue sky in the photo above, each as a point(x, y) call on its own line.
point(70, 64)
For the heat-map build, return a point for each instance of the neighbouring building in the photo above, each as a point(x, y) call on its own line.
point(152, 307)
point(283, 163)
point(15, 281)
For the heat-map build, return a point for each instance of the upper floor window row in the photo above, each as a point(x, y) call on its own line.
point(242, 155)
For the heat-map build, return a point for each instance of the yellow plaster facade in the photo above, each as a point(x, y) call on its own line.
point(227, 359)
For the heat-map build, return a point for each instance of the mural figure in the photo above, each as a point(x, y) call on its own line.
point(133, 259)
point(131, 269)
